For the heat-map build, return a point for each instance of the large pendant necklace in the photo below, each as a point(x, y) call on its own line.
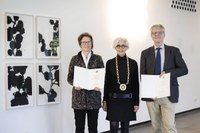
point(122, 87)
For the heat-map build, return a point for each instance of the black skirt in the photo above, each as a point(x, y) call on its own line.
point(120, 109)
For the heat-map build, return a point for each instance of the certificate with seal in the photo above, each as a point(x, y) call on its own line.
point(89, 78)
point(155, 86)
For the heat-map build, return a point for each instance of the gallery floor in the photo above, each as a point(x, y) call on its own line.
point(185, 123)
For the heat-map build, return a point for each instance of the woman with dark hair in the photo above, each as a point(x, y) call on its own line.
point(85, 101)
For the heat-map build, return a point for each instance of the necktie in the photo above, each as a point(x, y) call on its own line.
point(158, 62)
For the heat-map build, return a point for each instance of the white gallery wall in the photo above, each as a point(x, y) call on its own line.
point(105, 20)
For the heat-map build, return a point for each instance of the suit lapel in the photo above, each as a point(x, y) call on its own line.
point(167, 56)
point(152, 58)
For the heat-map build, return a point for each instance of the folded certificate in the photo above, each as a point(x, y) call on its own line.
point(154, 86)
point(89, 78)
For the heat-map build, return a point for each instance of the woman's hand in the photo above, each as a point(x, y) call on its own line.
point(78, 88)
point(136, 108)
point(104, 106)
point(97, 89)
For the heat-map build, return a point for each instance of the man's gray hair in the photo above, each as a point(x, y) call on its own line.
point(158, 25)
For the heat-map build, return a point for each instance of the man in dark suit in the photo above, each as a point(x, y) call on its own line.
point(162, 110)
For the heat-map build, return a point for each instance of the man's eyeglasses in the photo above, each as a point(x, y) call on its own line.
point(121, 46)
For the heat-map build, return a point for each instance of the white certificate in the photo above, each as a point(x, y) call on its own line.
point(89, 78)
point(154, 86)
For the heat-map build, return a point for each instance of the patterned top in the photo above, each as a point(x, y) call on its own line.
point(85, 99)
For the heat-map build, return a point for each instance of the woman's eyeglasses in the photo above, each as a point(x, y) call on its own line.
point(86, 42)
point(121, 46)
point(157, 33)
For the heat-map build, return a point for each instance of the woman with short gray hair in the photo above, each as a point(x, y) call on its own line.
point(121, 89)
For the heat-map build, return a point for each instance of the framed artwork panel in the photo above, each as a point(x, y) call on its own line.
point(19, 85)
point(48, 37)
point(19, 36)
point(48, 84)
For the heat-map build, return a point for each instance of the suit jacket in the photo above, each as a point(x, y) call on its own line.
point(173, 64)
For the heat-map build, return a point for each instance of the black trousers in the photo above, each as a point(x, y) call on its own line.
point(114, 126)
point(92, 117)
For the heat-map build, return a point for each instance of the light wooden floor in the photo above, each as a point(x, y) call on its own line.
point(186, 123)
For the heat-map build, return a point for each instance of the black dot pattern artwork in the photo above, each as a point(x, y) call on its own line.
point(186, 5)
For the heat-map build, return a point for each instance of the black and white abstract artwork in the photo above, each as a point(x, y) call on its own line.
point(19, 36)
point(48, 37)
point(48, 84)
point(19, 90)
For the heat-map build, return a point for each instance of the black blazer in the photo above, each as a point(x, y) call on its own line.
point(173, 64)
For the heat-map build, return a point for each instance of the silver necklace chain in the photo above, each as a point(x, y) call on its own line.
point(117, 71)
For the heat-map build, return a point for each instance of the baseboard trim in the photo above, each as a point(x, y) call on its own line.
point(187, 111)
point(138, 125)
